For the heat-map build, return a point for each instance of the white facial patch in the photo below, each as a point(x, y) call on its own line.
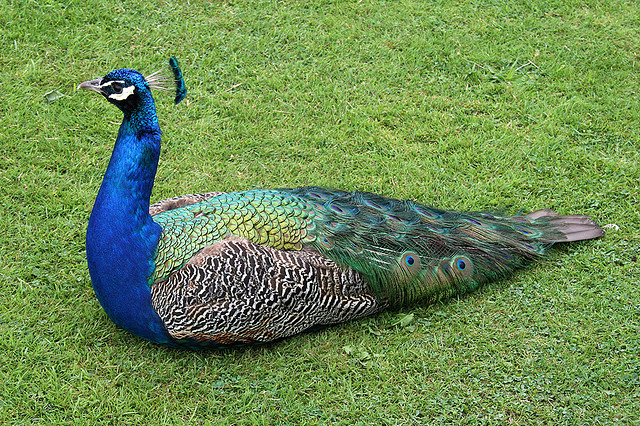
point(126, 92)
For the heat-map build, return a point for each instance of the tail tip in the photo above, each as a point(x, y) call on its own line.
point(571, 227)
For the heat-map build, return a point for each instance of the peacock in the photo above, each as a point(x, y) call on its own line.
point(254, 266)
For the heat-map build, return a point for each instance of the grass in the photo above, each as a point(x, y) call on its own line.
point(474, 105)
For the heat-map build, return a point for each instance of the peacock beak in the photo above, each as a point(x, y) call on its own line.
point(94, 85)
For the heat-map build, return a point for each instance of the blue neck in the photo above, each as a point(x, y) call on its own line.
point(121, 236)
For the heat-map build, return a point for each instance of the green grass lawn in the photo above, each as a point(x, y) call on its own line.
point(510, 105)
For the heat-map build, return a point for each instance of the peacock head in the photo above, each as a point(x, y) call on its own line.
point(126, 88)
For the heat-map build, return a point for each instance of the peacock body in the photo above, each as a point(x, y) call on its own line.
point(260, 265)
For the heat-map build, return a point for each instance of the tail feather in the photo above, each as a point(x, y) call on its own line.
point(541, 213)
point(571, 227)
point(409, 252)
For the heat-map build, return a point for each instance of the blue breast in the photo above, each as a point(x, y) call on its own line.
point(122, 237)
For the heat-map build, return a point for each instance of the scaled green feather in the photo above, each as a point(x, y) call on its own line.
point(269, 217)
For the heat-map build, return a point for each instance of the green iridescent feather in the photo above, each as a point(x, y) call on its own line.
point(409, 252)
point(274, 218)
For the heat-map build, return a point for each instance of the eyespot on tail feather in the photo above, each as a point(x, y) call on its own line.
point(181, 88)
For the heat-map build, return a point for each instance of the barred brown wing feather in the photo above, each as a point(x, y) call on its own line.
point(236, 291)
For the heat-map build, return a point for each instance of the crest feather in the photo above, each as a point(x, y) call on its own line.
point(158, 80)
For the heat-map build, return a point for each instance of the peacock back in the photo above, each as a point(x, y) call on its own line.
point(405, 251)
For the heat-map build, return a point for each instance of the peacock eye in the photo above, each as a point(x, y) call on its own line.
point(117, 87)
